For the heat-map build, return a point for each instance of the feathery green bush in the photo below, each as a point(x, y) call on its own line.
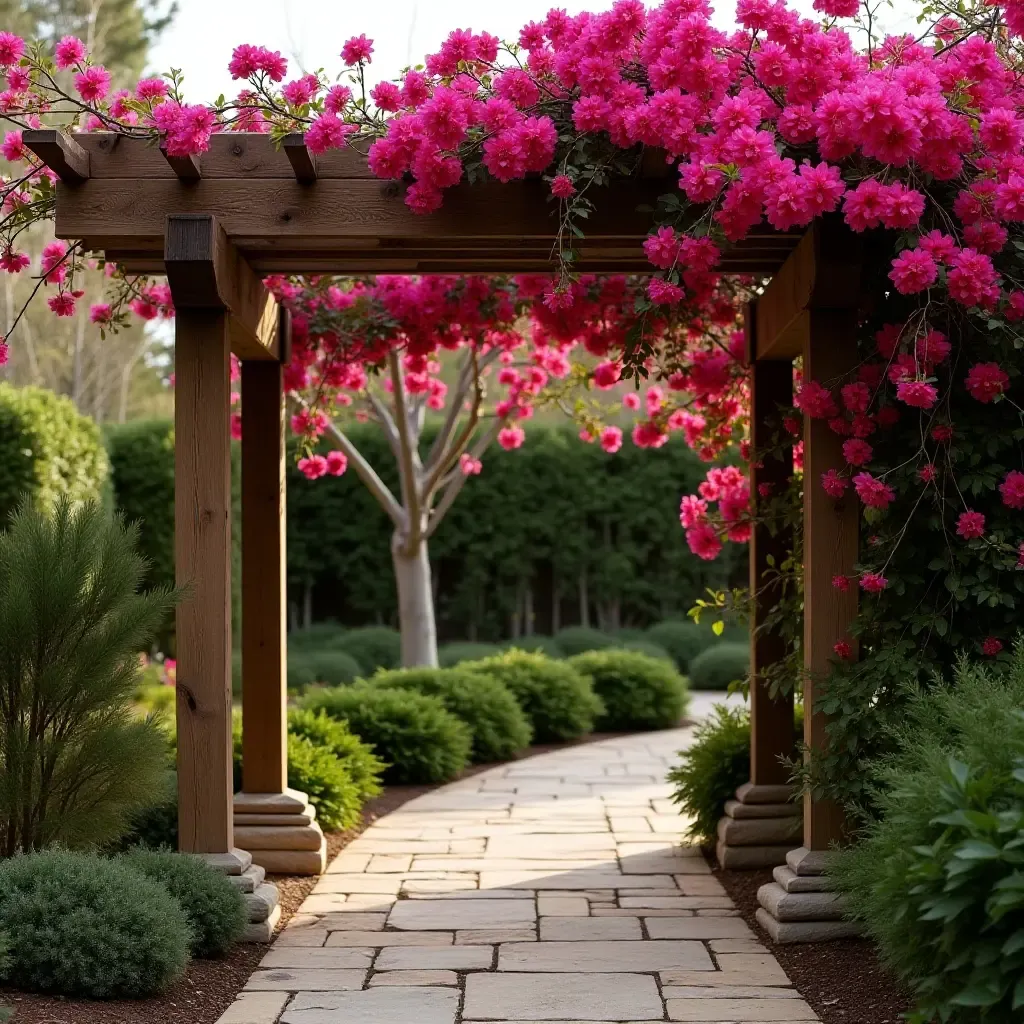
point(363, 766)
point(75, 760)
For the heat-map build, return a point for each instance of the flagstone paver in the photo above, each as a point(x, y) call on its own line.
point(556, 889)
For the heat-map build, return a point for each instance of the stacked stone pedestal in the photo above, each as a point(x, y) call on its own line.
point(281, 832)
point(759, 828)
point(800, 905)
point(260, 895)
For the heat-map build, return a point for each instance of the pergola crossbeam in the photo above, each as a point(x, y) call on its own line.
point(61, 153)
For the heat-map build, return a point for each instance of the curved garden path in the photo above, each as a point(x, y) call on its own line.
point(555, 888)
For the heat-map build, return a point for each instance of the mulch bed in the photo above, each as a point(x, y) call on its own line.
point(843, 980)
point(209, 987)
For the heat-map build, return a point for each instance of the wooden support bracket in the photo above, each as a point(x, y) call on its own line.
point(303, 162)
point(59, 152)
point(185, 167)
point(205, 271)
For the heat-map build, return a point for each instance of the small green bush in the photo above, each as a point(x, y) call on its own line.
point(718, 666)
point(683, 640)
point(420, 740)
point(47, 449)
point(652, 650)
point(450, 655)
point(373, 647)
point(215, 909)
point(938, 880)
point(84, 925)
point(712, 768)
point(559, 702)
point(316, 637)
point(334, 668)
point(154, 826)
point(638, 691)
point(537, 643)
point(577, 639)
point(362, 765)
point(499, 727)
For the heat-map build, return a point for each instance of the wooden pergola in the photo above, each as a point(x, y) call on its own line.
point(217, 223)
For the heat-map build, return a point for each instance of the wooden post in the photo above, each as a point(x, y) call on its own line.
point(830, 548)
point(202, 516)
point(264, 600)
point(772, 735)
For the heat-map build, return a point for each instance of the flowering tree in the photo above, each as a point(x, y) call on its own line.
point(376, 351)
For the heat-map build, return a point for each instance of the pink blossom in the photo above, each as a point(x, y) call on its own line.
point(873, 492)
point(328, 131)
point(970, 525)
point(62, 304)
point(842, 648)
point(562, 186)
point(857, 452)
point(469, 466)
point(648, 434)
point(815, 401)
point(1012, 489)
point(873, 583)
point(927, 473)
point(631, 401)
point(833, 484)
point(4, 351)
point(511, 437)
point(991, 646)
point(93, 83)
point(611, 439)
point(986, 381)
point(13, 148)
point(607, 375)
point(663, 292)
point(913, 271)
point(337, 463)
point(100, 313)
point(69, 52)
point(841, 583)
point(313, 467)
point(14, 262)
point(917, 393)
point(704, 541)
point(357, 49)
point(151, 89)
point(972, 280)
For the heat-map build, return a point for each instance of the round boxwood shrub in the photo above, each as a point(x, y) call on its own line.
point(84, 925)
point(719, 666)
point(333, 667)
point(652, 650)
point(316, 637)
point(638, 691)
point(373, 647)
point(683, 640)
point(537, 644)
point(500, 728)
point(362, 765)
point(450, 655)
point(559, 702)
point(419, 739)
point(577, 639)
point(215, 908)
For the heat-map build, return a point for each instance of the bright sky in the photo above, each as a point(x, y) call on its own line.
point(404, 31)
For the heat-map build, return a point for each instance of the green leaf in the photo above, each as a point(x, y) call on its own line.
point(718, 628)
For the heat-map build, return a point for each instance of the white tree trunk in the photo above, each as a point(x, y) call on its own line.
point(415, 604)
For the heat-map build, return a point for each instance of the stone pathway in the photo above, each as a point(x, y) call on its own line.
point(550, 889)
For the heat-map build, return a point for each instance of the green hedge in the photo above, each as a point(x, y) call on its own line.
point(578, 523)
point(717, 667)
point(47, 448)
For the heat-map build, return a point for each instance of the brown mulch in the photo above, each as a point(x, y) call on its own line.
point(842, 980)
point(208, 987)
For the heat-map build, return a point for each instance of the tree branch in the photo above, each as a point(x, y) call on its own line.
point(407, 458)
point(380, 410)
point(364, 471)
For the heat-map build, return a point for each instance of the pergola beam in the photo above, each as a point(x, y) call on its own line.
point(205, 271)
point(62, 154)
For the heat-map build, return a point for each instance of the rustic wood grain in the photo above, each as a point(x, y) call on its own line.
point(62, 154)
point(303, 162)
point(202, 511)
point(264, 597)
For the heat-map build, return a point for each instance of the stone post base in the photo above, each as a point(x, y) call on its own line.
point(759, 827)
point(260, 895)
point(281, 833)
point(799, 906)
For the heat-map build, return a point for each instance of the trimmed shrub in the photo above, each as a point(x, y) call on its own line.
point(362, 765)
point(718, 666)
point(638, 691)
point(576, 639)
point(215, 909)
point(559, 702)
point(84, 925)
point(537, 644)
point(712, 768)
point(683, 640)
point(648, 648)
point(499, 727)
point(420, 740)
point(307, 667)
point(938, 880)
point(47, 450)
point(76, 759)
point(373, 647)
point(450, 655)
point(316, 637)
